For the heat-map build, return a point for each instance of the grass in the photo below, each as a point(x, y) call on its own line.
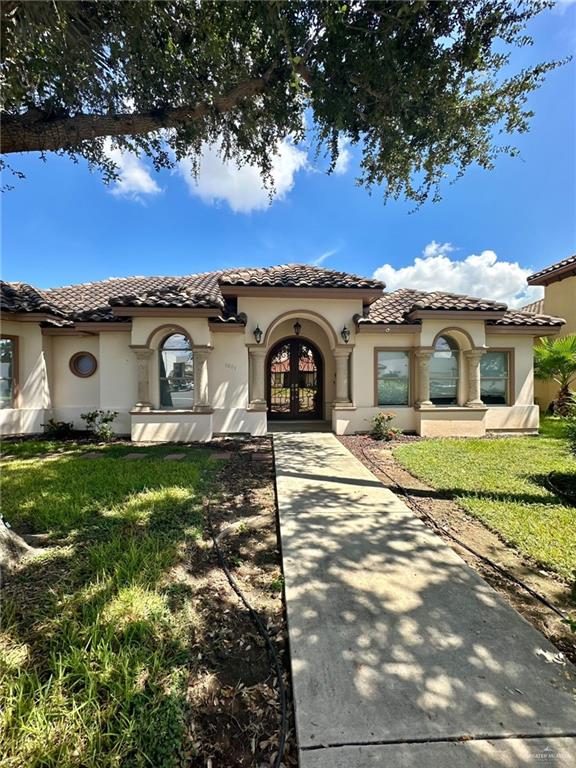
point(502, 482)
point(94, 644)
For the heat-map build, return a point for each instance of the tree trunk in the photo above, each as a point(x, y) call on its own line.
point(12, 547)
point(36, 131)
point(564, 404)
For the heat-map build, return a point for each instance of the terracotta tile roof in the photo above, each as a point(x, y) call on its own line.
point(177, 295)
point(455, 301)
point(564, 268)
point(392, 308)
point(535, 307)
point(397, 307)
point(297, 276)
point(521, 317)
point(92, 301)
point(21, 297)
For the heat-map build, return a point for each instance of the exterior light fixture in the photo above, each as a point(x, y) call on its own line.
point(297, 328)
point(257, 335)
point(345, 333)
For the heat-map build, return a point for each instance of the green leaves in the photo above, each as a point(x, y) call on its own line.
point(418, 85)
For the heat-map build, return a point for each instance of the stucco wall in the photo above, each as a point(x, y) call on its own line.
point(46, 379)
point(363, 382)
point(523, 414)
point(73, 395)
point(559, 300)
point(118, 378)
point(228, 386)
point(33, 401)
point(335, 313)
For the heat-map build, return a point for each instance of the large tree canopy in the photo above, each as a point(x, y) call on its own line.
point(419, 86)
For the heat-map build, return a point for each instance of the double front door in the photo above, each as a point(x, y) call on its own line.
point(294, 373)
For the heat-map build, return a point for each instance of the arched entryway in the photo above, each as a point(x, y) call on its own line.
point(294, 374)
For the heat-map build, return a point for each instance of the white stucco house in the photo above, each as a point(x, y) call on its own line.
point(185, 358)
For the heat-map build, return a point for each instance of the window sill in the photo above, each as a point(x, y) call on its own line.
point(457, 408)
point(172, 411)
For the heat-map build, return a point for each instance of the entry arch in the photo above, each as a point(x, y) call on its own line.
point(295, 379)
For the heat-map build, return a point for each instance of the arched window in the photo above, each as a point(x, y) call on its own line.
point(444, 372)
point(176, 372)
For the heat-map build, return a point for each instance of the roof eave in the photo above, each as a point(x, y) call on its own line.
point(166, 311)
point(561, 273)
point(368, 295)
point(382, 327)
point(530, 330)
point(31, 317)
point(462, 314)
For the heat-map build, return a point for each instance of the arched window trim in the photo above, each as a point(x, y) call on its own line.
point(175, 385)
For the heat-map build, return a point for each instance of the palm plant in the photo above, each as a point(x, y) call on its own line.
point(555, 359)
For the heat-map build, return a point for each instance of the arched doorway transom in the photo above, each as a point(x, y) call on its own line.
point(294, 371)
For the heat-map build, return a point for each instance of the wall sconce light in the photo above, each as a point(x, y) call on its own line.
point(345, 333)
point(257, 335)
point(297, 328)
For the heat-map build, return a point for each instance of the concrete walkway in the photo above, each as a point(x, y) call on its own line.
point(401, 654)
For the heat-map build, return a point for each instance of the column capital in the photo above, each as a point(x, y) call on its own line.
point(202, 352)
point(257, 351)
point(342, 352)
point(142, 353)
point(475, 354)
point(424, 353)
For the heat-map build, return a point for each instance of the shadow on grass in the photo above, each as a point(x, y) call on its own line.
point(96, 634)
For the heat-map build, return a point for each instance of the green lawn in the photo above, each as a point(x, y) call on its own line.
point(94, 640)
point(502, 482)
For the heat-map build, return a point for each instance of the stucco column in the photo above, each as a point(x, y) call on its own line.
point(201, 394)
point(143, 356)
point(342, 357)
point(257, 375)
point(423, 357)
point(473, 356)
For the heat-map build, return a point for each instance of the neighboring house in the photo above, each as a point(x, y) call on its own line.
point(559, 281)
point(183, 358)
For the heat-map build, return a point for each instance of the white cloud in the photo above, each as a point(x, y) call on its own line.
point(344, 156)
point(241, 186)
point(319, 260)
point(135, 179)
point(482, 275)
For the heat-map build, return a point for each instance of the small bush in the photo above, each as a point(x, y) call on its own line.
point(381, 429)
point(98, 423)
point(58, 429)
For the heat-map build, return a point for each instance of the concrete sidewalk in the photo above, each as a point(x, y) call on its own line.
point(401, 654)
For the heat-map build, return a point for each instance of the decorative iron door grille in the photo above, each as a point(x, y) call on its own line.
point(295, 380)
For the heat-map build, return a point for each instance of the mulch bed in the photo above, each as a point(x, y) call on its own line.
point(232, 692)
point(378, 457)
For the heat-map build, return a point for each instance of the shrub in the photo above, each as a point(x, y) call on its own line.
point(381, 429)
point(58, 429)
point(98, 423)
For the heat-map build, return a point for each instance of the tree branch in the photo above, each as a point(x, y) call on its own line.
point(34, 131)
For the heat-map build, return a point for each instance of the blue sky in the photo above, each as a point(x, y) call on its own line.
point(61, 224)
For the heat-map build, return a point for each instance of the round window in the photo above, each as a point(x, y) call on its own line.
point(83, 364)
